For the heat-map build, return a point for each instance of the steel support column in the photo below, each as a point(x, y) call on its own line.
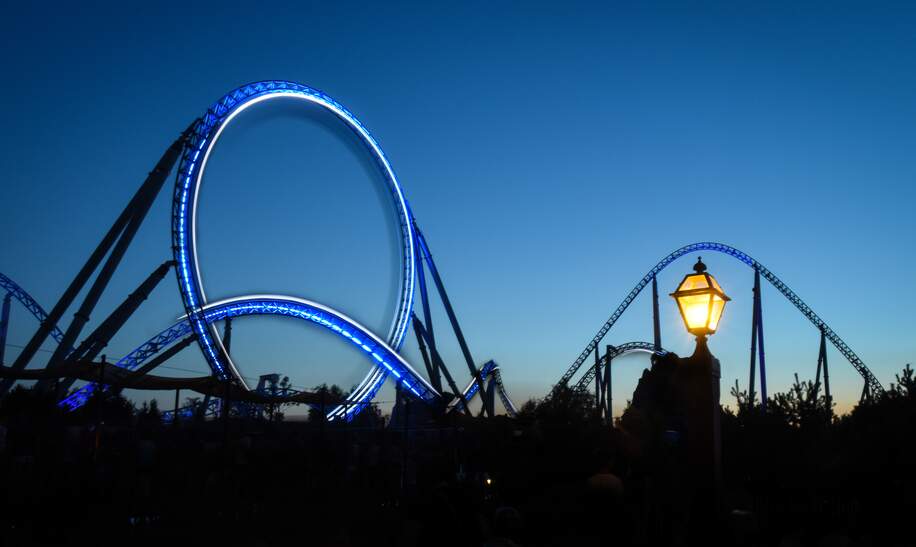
point(431, 366)
point(424, 293)
point(656, 324)
point(491, 396)
point(82, 315)
point(433, 377)
point(822, 362)
point(760, 350)
point(77, 284)
point(437, 359)
point(4, 325)
point(227, 343)
point(162, 358)
point(99, 338)
point(597, 381)
point(446, 303)
point(175, 412)
point(609, 398)
point(754, 313)
point(122, 232)
point(602, 410)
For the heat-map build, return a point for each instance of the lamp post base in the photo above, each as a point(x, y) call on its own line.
point(696, 380)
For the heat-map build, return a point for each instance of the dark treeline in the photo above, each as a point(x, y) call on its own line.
point(817, 478)
point(556, 475)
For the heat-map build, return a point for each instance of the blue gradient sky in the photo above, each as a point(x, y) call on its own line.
point(552, 154)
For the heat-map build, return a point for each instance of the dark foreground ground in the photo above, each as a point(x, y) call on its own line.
point(554, 476)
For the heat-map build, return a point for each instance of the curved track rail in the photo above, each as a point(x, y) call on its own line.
point(30, 304)
point(489, 369)
point(205, 135)
point(588, 378)
point(873, 384)
point(377, 351)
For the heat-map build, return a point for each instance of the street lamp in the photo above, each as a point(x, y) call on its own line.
point(701, 301)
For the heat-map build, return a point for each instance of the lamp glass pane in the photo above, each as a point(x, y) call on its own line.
point(691, 282)
point(695, 309)
point(718, 305)
point(715, 283)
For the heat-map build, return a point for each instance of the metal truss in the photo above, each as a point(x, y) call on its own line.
point(377, 351)
point(132, 360)
point(190, 411)
point(30, 304)
point(870, 380)
point(588, 380)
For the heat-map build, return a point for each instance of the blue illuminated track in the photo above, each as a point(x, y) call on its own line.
point(30, 304)
point(872, 382)
point(489, 370)
point(376, 351)
point(184, 217)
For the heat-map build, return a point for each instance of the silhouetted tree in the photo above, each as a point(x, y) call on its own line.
point(527, 413)
point(802, 406)
point(905, 386)
point(564, 406)
point(370, 416)
point(30, 404)
point(742, 400)
point(274, 410)
point(105, 406)
point(148, 417)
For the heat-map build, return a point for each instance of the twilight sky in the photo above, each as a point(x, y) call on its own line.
point(552, 154)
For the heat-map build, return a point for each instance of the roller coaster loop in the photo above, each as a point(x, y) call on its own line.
point(184, 224)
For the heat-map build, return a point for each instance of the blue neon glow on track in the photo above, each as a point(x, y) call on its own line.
point(378, 352)
point(184, 213)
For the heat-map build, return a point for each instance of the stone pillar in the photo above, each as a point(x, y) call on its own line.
point(696, 381)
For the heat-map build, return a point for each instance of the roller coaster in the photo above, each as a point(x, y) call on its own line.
point(871, 384)
point(190, 152)
point(193, 148)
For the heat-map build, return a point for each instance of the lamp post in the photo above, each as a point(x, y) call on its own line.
point(701, 302)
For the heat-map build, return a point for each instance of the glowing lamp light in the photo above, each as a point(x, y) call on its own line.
point(700, 300)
